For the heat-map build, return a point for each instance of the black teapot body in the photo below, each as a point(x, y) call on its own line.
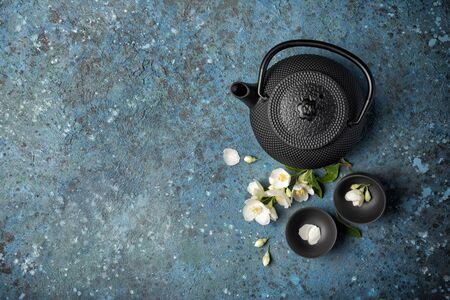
point(307, 111)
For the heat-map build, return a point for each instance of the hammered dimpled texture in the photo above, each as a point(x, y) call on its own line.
point(330, 106)
point(308, 158)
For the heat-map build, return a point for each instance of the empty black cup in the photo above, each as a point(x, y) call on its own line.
point(315, 216)
point(369, 211)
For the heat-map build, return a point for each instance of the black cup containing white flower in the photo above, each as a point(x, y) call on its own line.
point(359, 198)
point(311, 232)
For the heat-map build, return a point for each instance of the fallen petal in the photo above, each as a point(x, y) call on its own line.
point(314, 235)
point(231, 156)
point(304, 231)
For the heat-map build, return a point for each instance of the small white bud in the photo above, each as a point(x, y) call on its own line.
point(250, 159)
point(266, 258)
point(367, 195)
point(259, 243)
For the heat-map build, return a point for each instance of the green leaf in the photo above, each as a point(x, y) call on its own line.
point(318, 190)
point(332, 172)
point(353, 231)
point(266, 200)
point(355, 186)
point(349, 229)
point(294, 169)
point(309, 178)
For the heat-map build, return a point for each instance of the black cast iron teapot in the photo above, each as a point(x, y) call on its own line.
point(307, 111)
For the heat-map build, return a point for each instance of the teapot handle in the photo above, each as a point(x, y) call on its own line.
point(319, 44)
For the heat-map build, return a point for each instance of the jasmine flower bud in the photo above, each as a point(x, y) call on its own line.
point(266, 258)
point(367, 195)
point(259, 243)
point(250, 159)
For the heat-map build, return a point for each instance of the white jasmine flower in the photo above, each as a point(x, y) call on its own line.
point(280, 196)
point(256, 189)
point(231, 156)
point(266, 258)
point(279, 178)
point(356, 196)
point(250, 159)
point(301, 192)
point(256, 210)
point(259, 243)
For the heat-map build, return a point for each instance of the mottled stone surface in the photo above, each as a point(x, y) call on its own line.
point(113, 120)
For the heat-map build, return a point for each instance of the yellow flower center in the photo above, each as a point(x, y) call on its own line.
point(300, 192)
point(282, 177)
point(256, 210)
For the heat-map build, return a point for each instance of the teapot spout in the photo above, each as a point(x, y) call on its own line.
point(245, 92)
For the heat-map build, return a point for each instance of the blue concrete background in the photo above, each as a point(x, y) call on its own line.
point(113, 120)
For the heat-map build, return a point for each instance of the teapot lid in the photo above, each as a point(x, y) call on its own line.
point(308, 109)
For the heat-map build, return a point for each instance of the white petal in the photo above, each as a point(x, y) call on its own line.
point(358, 202)
point(247, 211)
point(263, 218)
point(249, 199)
point(304, 231)
point(354, 195)
point(284, 202)
point(231, 156)
point(255, 189)
point(252, 201)
point(308, 188)
point(271, 192)
point(300, 198)
point(248, 214)
point(280, 196)
point(279, 178)
point(314, 235)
